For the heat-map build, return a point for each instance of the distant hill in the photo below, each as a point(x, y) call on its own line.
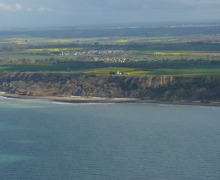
point(152, 30)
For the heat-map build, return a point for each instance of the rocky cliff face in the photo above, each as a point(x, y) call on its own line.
point(168, 88)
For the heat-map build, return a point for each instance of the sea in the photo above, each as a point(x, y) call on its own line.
point(45, 140)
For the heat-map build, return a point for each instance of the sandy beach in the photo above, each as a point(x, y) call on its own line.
point(81, 99)
point(72, 99)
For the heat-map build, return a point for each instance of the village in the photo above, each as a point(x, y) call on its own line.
point(100, 55)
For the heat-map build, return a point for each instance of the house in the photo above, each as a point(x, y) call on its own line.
point(119, 73)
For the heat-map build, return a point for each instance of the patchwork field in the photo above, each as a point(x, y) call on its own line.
point(116, 54)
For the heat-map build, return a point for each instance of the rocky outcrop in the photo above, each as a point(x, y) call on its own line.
point(167, 88)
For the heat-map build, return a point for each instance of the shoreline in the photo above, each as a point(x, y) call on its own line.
point(72, 99)
point(80, 99)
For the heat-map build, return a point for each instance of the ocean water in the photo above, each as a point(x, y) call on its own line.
point(42, 140)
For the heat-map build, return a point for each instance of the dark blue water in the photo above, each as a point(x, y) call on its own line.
point(49, 141)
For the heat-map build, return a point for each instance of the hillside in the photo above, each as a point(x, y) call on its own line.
point(161, 88)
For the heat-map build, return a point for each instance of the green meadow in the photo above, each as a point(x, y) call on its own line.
point(106, 68)
point(123, 70)
point(215, 71)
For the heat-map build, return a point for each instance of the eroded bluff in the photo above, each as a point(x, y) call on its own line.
point(201, 88)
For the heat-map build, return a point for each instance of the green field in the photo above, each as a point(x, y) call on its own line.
point(123, 70)
point(102, 68)
point(177, 55)
point(164, 71)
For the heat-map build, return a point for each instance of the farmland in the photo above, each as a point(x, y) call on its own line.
point(154, 51)
point(156, 63)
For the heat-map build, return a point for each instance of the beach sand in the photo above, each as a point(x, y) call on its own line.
point(81, 99)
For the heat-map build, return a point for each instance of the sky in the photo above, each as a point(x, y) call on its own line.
point(41, 13)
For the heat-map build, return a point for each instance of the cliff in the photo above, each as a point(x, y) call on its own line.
point(163, 88)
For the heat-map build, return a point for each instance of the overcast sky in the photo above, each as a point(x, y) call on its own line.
point(31, 13)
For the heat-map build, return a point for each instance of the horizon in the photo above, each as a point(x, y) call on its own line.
point(47, 13)
point(153, 24)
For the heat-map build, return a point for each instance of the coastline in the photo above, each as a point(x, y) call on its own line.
point(81, 99)
point(72, 99)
